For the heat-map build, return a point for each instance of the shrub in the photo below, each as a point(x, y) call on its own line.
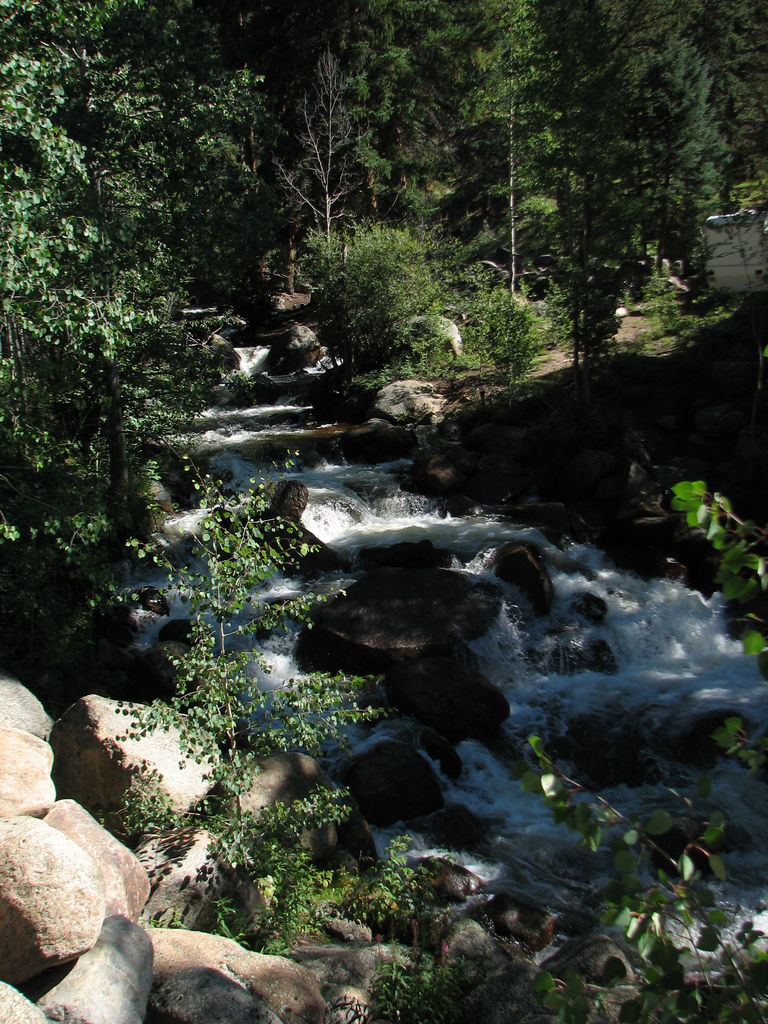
point(506, 331)
point(368, 287)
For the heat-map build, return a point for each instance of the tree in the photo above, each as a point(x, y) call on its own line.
point(323, 178)
point(369, 286)
point(105, 160)
point(678, 155)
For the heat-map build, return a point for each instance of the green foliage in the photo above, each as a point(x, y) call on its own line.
point(742, 571)
point(693, 967)
point(582, 310)
point(421, 989)
point(369, 286)
point(392, 897)
point(226, 722)
point(506, 329)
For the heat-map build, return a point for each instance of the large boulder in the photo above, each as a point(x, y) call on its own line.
point(285, 777)
point(26, 786)
point(394, 615)
point(498, 439)
point(110, 983)
point(52, 899)
point(445, 473)
point(17, 1009)
point(408, 554)
point(438, 329)
point(451, 698)
point(126, 882)
point(393, 782)
point(97, 755)
point(207, 979)
point(297, 348)
point(521, 565)
point(20, 709)
point(187, 878)
point(498, 480)
point(408, 401)
point(377, 440)
point(224, 353)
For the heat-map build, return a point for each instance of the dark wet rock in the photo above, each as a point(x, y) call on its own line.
point(455, 700)
point(597, 959)
point(443, 474)
point(177, 630)
point(154, 672)
point(377, 441)
point(355, 836)
point(393, 782)
point(451, 882)
point(117, 624)
point(521, 565)
point(394, 615)
point(497, 481)
point(551, 517)
point(509, 917)
point(690, 742)
point(454, 827)
point(657, 545)
point(607, 752)
point(438, 748)
point(567, 652)
point(288, 500)
point(589, 606)
point(152, 600)
point(419, 554)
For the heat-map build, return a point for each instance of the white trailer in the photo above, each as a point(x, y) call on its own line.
point(737, 251)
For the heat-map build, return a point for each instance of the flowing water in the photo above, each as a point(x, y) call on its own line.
point(674, 659)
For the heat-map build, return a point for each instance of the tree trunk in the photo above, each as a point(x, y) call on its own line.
point(118, 459)
point(512, 203)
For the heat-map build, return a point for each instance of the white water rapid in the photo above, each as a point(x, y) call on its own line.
point(674, 661)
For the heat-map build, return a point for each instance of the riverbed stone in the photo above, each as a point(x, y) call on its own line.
point(207, 979)
point(52, 899)
point(377, 440)
point(295, 349)
point(20, 708)
point(126, 882)
point(393, 615)
point(408, 401)
point(17, 1009)
point(187, 878)
point(26, 786)
point(393, 782)
point(287, 776)
point(521, 565)
point(97, 756)
point(110, 983)
point(451, 698)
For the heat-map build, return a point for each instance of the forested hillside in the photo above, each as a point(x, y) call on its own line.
point(157, 155)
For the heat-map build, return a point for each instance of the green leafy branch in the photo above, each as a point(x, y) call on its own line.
point(743, 569)
point(692, 969)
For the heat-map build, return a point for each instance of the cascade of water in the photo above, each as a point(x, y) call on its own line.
point(672, 659)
